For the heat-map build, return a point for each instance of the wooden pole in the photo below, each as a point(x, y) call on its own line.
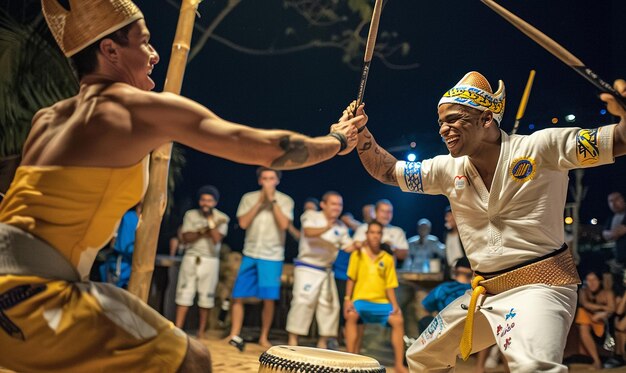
point(155, 199)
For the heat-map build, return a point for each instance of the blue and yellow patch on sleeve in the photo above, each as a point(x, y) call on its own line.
point(587, 150)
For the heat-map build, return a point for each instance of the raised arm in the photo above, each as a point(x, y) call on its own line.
point(161, 117)
point(376, 160)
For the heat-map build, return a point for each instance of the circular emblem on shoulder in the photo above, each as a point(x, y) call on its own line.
point(523, 169)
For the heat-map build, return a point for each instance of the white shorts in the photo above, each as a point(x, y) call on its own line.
point(314, 292)
point(197, 274)
point(529, 324)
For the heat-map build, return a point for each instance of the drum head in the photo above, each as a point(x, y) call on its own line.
point(298, 359)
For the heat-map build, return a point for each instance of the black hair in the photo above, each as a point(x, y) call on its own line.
point(330, 193)
point(262, 169)
point(86, 61)
point(209, 189)
point(313, 200)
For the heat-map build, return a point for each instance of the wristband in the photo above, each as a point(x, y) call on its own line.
point(361, 129)
point(343, 141)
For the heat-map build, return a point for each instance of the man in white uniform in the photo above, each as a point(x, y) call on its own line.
point(203, 230)
point(314, 290)
point(393, 236)
point(507, 194)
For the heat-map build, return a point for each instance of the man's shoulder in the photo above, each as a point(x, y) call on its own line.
point(221, 214)
point(252, 194)
point(393, 229)
point(432, 238)
point(192, 213)
point(283, 196)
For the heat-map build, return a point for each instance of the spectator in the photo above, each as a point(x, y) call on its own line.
point(314, 291)
point(422, 248)
point(596, 305)
point(117, 267)
point(454, 246)
point(370, 296)
point(393, 236)
point(265, 214)
point(203, 231)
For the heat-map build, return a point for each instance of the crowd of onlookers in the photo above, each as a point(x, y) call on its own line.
point(349, 272)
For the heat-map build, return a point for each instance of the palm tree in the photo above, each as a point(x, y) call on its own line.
point(34, 75)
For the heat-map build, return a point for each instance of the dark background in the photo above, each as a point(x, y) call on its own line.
point(306, 91)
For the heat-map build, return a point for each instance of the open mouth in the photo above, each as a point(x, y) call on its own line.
point(452, 141)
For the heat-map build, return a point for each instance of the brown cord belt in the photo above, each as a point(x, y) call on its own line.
point(555, 269)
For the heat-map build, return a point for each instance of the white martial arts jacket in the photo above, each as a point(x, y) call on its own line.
point(521, 217)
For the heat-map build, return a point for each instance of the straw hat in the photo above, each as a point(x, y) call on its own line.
point(475, 91)
point(87, 22)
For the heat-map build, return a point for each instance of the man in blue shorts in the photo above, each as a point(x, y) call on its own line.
point(265, 214)
point(370, 294)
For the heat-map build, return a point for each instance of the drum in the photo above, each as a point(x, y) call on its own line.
point(296, 359)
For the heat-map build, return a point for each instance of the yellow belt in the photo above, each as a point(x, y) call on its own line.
point(554, 270)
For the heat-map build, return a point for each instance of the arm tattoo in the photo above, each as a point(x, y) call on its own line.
point(377, 161)
point(296, 153)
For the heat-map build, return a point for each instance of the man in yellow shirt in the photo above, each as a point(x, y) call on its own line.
point(370, 296)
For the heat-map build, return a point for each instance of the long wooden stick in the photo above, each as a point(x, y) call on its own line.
point(156, 195)
point(556, 49)
point(522, 105)
point(369, 50)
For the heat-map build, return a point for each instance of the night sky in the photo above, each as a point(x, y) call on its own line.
point(306, 91)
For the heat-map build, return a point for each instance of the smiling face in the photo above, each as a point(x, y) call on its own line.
point(206, 203)
point(461, 128)
point(137, 59)
point(384, 213)
point(332, 206)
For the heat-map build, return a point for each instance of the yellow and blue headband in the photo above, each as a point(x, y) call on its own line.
point(474, 91)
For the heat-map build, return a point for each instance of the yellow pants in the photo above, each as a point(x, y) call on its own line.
point(59, 326)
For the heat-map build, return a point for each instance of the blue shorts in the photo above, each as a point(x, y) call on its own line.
point(373, 313)
point(258, 278)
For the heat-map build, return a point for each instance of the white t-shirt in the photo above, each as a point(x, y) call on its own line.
point(391, 233)
point(521, 217)
point(194, 221)
point(322, 250)
point(264, 240)
point(454, 251)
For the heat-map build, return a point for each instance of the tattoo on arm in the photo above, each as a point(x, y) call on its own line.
point(296, 152)
point(377, 161)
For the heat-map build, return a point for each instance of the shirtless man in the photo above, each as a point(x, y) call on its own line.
point(84, 164)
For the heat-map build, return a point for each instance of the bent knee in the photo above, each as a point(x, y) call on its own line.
point(395, 320)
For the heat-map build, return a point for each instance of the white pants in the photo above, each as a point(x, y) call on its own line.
point(529, 324)
point(314, 292)
point(197, 274)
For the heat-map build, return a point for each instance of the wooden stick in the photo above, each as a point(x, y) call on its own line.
point(556, 49)
point(369, 50)
point(155, 199)
point(522, 105)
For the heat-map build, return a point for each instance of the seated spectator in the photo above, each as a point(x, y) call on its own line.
point(596, 305)
point(370, 296)
point(117, 267)
point(620, 334)
point(448, 291)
